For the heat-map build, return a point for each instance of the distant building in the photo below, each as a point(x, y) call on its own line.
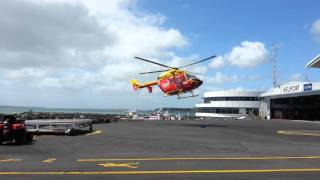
point(233, 103)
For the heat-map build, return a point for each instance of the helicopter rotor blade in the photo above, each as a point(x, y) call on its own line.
point(154, 62)
point(154, 71)
point(206, 59)
point(190, 72)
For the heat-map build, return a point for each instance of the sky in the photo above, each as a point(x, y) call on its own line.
point(80, 53)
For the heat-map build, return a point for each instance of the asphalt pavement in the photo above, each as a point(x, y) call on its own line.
point(210, 149)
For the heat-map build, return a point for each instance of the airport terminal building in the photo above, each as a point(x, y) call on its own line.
point(234, 103)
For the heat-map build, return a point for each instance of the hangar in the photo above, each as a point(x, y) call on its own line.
point(314, 63)
point(294, 100)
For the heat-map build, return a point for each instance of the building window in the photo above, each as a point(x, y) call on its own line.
point(217, 110)
point(235, 111)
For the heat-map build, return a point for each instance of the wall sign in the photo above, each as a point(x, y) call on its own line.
point(290, 89)
point(307, 87)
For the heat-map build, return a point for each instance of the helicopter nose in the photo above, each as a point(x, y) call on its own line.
point(197, 82)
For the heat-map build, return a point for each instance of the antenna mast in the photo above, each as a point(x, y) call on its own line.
point(274, 64)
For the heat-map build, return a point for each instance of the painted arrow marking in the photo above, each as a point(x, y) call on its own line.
point(50, 160)
point(94, 133)
point(128, 165)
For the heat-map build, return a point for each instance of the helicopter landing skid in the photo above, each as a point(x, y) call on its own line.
point(183, 97)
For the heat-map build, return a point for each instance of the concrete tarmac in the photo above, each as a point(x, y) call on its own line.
point(211, 149)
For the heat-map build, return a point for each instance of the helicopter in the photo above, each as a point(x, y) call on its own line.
point(173, 80)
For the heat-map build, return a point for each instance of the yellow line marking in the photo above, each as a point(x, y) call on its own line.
point(128, 165)
point(94, 133)
point(300, 133)
point(161, 172)
point(50, 160)
point(199, 158)
point(10, 160)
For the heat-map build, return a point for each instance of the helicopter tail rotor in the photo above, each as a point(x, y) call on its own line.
point(135, 84)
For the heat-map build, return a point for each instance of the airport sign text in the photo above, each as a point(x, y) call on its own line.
point(290, 89)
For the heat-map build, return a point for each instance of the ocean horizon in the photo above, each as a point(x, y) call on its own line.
point(4, 109)
point(19, 109)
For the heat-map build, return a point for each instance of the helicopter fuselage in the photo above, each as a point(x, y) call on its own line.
point(178, 83)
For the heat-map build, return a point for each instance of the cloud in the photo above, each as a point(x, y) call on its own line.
point(79, 53)
point(181, 61)
point(247, 55)
point(40, 35)
point(220, 78)
point(26, 73)
point(76, 44)
point(315, 30)
point(217, 62)
point(296, 77)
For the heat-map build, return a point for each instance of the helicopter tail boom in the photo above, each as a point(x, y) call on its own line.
point(136, 85)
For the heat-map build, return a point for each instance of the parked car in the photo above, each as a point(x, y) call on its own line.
point(15, 130)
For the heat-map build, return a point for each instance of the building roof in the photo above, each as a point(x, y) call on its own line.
point(314, 63)
point(233, 93)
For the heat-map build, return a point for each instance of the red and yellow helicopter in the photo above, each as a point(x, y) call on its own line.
point(173, 81)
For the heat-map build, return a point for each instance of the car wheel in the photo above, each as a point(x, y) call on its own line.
point(20, 138)
point(29, 137)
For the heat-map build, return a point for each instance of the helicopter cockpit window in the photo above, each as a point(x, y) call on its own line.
point(190, 76)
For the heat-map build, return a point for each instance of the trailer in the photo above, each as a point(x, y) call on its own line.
point(59, 126)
